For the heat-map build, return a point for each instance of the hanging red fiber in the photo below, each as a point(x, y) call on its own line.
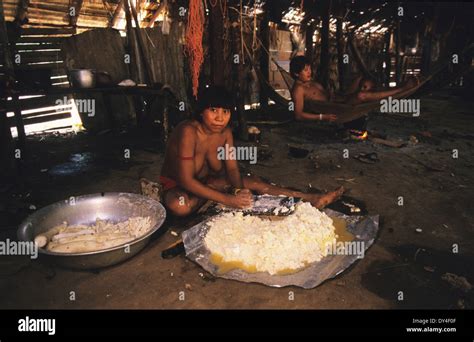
point(193, 47)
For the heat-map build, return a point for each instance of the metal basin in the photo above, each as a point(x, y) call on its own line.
point(115, 207)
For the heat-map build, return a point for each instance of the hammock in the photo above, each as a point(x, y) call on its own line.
point(346, 112)
point(349, 112)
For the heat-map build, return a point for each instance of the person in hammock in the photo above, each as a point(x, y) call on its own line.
point(192, 173)
point(305, 89)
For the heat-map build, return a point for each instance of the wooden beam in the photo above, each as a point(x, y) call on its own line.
point(29, 47)
point(163, 5)
point(40, 57)
point(41, 40)
point(53, 65)
point(35, 102)
point(107, 8)
point(22, 11)
point(41, 119)
point(47, 31)
point(118, 11)
point(139, 4)
point(77, 5)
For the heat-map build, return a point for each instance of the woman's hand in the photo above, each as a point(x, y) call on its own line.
point(242, 199)
point(329, 117)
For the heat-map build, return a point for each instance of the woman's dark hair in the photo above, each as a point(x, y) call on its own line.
point(213, 96)
point(297, 64)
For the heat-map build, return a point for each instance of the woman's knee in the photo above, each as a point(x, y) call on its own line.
point(179, 204)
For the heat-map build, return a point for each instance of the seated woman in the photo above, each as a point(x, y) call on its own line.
point(192, 172)
point(305, 89)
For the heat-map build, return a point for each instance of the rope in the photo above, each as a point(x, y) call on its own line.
point(279, 67)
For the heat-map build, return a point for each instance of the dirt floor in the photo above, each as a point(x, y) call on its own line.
point(436, 190)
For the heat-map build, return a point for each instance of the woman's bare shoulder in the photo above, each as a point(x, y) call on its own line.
point(187, 127)
point(297, 89)
point(227, 133)
point(317, 85)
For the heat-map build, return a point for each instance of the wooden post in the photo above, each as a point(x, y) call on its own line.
point(264, 34)
point(310, 7)
point(358, 58)
point(309, 41)
point(216, 44)
point(141, 46)
point(166, 125)
point(76, 5)
point(426, 52)
point(340, 53)
point(6, 147)
point(387, 58)
point(10, 76)
point(398, 63)
point(429, 29)
point(324, 58)
point(6, 45)
point(136, 69)
point(238, 77)
point(22, 11)
point(19, 122)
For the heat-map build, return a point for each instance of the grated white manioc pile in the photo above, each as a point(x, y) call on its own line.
point(103, 234)
point(272, 246)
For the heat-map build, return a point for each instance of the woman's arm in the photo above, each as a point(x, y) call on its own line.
point(232, 166)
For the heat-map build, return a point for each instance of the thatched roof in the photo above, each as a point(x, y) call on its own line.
point(91, 13)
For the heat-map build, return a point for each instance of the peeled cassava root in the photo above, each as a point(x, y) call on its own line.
point(101, 235)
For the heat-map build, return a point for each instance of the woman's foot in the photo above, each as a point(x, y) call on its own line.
point(320, 201)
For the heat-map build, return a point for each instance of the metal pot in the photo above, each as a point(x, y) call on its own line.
point(115, 207)
point(82, 78)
